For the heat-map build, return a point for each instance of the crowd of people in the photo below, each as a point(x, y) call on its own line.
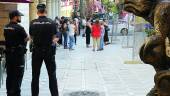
point(70, 28)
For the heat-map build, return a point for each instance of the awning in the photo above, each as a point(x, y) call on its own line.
point(17, 1)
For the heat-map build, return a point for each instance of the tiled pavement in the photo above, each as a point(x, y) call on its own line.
point(103, 73)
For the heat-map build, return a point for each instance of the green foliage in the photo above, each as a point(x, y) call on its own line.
point(150, 32)
point(110, 6)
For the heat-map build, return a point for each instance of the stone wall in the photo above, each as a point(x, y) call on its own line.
point(24, 8)
point(4, 11)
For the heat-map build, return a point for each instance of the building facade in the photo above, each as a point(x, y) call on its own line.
point(53, 8)
point(28, 9)
point(5, 8)
point(67, 7)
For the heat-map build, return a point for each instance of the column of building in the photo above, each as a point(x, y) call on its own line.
point(58, 7)
point(33, 9)
point(49, 6)
point(53, 8)
point(43, 1)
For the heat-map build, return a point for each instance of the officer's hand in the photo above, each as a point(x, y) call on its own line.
point(27, 38)
point(55, 40)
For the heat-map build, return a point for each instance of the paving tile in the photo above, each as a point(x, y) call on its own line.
point(85, 71)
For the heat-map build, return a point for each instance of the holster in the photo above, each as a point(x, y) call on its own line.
point(50, 49)
point(20, 50)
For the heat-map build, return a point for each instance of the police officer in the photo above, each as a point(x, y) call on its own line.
point(43, 34)
point(15, 42)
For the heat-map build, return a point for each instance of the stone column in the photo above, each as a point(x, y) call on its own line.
point(43, 1)
point(58, 7)
point(54, 9)
point(33, 10)
point(49, 8)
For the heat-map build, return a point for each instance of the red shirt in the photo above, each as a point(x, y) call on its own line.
point(96, 30)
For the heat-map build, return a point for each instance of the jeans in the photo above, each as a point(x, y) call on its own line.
point(102, 42)
point(15, 64)
point(65, 39)
point(60, 38)
point(75, 38)
point(71, 42)
point(87, 38)
point(38, 56)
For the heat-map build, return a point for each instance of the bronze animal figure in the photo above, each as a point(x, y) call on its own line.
point(157, 48)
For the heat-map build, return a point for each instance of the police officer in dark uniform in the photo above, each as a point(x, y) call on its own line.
point(43, 34)
point(15, 42)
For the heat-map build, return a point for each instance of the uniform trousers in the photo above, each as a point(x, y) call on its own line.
point(38, 56)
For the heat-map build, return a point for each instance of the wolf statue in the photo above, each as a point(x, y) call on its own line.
point(156, 50)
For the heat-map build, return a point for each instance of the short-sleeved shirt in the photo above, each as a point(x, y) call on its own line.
point(15, 35)
point(96, 30)
point(71, 28)
point(42, 31)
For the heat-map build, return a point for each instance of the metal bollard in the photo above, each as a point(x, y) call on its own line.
point(3, 67)
point(2, 58)
point(0, 73)
point(26, 60)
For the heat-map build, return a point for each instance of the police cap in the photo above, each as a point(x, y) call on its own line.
point(41, 7)
point(14, 13)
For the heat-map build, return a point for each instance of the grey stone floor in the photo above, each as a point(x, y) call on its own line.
point(83, 72)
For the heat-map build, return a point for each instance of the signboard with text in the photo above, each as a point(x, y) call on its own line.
point(17, 1)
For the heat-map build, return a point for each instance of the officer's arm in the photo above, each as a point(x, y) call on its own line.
point(24, 34)
point(5, 31)
point(31, 29)
point(31, 37)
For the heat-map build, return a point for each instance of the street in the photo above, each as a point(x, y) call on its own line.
point(83, 72)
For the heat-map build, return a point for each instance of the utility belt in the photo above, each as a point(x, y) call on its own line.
point(51, 49)
point(21, 49)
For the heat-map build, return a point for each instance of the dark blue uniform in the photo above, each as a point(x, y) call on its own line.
point(15, 36)
point(42, 31)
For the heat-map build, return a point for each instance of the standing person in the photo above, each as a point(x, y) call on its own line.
point(58, 25)
point(15, 42)
point(102, 36)
point(96, 33)
point(76, 32)
point(60, 28)
point(106, 36)
point(71, 33)
point(43, 34)
point(64, 30)
point(77, 25)
point(88, 32)
point(83, 26)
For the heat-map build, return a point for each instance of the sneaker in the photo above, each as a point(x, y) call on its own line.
point(65, 47)
point(71, 49)
point(93, 50)
point(107, 43)
point(87, 46)
point(98, 49)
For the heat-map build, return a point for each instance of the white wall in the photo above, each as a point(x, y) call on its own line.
point(24, 8)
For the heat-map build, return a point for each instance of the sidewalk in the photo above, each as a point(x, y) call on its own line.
point(82, 72)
